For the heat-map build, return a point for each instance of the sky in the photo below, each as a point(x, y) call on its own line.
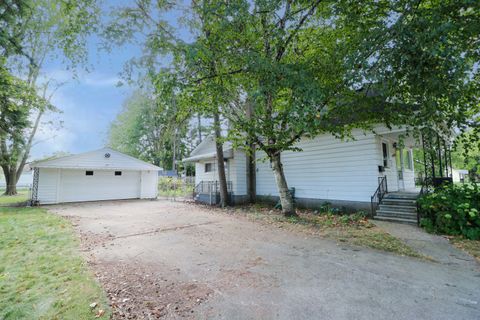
point(88, 104)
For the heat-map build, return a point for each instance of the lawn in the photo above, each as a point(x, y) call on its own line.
point(22, 196)
point(42, 274)
point(353, 229)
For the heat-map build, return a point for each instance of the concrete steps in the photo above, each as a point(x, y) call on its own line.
point(398, 207)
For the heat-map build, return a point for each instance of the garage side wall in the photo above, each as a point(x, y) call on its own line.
point(149, 185)
point(48, 185)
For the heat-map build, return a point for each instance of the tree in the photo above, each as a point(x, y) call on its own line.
point(194, 69)
point(16, 99)
point(467, 156)
point(330, 66)
point(149, 128)
point(47, 28)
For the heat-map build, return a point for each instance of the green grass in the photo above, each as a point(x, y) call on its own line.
point(42, 274)
point(352, 229)
point(22, 196)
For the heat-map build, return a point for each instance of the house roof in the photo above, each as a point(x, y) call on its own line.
point(228, 153)
point(207, 150)
point(102, 159)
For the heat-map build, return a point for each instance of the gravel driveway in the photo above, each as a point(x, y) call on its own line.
point(162, 259)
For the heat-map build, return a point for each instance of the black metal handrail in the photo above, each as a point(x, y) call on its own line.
point(427, 185)
point(207, 187)
point(377, 197)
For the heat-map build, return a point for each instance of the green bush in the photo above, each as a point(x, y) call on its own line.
point(452, 210)
point(174, 187)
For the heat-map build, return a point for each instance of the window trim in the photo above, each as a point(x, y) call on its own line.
point(409, 159)
point(208, 165)
point(386, 160)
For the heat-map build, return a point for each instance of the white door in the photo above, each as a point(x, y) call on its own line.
point(390, 169)
point(92, 185)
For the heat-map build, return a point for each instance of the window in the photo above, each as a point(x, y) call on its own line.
point(118, 173)
point(208, 167)
point(407, 158)
point(385, 154)
point(89, 173)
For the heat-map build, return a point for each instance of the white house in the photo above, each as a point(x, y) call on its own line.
point(344, 173)
point(459, 175)
point(103, 174)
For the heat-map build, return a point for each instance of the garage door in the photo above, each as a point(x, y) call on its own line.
point(92, 185)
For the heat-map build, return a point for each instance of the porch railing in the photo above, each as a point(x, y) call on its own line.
point(377, 197)
point(428, 184)
point(207, 187)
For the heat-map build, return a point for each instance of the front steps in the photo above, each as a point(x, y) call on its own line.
point(398, 207)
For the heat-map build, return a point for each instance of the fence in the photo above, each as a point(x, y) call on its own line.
point(173, 187)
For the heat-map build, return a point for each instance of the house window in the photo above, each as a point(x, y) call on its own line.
point(408, 159)
point(118, 173)
point(89, 173)
point(208, 167)
point(385, 154)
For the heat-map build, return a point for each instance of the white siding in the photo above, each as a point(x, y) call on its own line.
point(201, 175)
point(327, 168)
point(97, 160)
point(149, 186)
point(47, 185)
point(238, 175)
point(235, 171)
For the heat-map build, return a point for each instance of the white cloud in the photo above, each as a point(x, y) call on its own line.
point(92, 79)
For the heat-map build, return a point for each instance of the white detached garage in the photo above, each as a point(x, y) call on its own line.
point(103, 174)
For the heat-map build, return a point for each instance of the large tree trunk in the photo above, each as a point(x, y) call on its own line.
point(221, 161)
point(286, 199)
point(11, 181)
point(199, 127)
point(251, 175)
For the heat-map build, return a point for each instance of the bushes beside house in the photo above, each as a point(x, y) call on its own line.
point(175, 187)
point(452, 210)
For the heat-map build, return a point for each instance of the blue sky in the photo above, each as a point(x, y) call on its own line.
point(88, 104)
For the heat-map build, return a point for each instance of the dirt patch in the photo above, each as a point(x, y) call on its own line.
point(139, 292)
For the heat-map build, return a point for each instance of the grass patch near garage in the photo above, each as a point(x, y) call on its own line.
point(353, 229)
point(20, 197)
point(42, 274)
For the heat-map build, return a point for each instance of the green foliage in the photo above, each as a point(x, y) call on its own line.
point(452, 210)
point(149, 128)
point(466, 155)
point(174, 187)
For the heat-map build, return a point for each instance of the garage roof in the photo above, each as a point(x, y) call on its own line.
point(102, 159)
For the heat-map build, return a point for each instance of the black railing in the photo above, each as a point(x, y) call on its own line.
point(209, 191)
point(377, 197)
point(207, 187)
point(428, 184)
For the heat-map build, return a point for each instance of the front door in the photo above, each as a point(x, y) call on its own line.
point(388, 162)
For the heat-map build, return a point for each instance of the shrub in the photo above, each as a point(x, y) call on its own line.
point(174, 187)
point(452, 210)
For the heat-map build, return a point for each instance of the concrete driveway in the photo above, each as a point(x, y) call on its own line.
point(162, 259)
